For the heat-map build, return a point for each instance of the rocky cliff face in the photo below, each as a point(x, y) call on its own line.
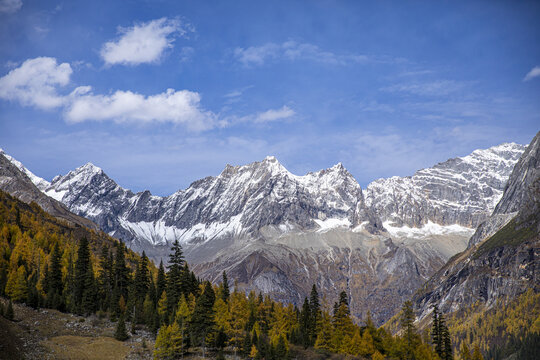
point(502, 259)
point(462, 190)
point(279, 233)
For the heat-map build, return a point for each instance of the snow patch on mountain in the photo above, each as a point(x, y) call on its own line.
point(429, 229)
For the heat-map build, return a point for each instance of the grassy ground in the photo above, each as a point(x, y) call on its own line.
point(50, 334)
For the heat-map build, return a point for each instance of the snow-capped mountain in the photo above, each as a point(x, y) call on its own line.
point(279, 233)
point(461, 191)
point(241, 201)
point(495, 269)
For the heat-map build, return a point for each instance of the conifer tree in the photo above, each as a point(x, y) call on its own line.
point(161, 282)
point(121, 333)
point(174, 276)
point(324, 338)
point(82, 276)
point(142, 278)
point(409, 330)
point(104, 278)
point(436, 337)
point(447, 352)
point(315, 314)
point(305, 323)
point(121, 272)
point(55, 274)
point(202, 320)
point(225, 285)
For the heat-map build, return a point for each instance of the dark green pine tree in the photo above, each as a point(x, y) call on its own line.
point(121, 279)
point(409, 330)
point(161, 282)
point(105, 278)
point(447, 352)
point(305, 323)
point(225, 284)
point(69, 285)
point(436, 331)
point(121, 271)
point(142, 278)
point(55, 285)
point(174, 276)
point(82, 279)
point(315, 314)
point(121, 332)
point(89, 299)
point(202, 320)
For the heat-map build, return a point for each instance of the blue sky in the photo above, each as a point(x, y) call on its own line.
point(160, 94)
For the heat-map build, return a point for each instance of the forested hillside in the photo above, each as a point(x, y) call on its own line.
point(46, 262)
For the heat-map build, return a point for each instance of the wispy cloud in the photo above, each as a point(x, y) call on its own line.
point(292, 50)
point(274, 115)
point(535, 72)
point(429, 88)
point(10, 6)
point(143, 43)
point(35, 83)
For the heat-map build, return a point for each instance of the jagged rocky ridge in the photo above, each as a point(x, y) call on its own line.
point(462, 190)
point(502, 258)
point(279, 233)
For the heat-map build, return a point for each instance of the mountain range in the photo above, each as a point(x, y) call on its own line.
point(279, 233)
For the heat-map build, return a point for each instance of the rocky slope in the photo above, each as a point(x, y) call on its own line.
point(16, 180)
point(502, 259)
point(279, 233)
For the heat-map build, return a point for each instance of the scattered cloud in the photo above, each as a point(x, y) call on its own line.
point(143, 42)
point(10, 6)
point(292, 50)
point(179, 107)
point(431, 88)
point(35, 83)
point(274, 115)
point(535, 72)
point(235, 95)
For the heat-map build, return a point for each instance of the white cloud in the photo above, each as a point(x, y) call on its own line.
point(274, 115)
point(142, 43)
point(535, 72)
point(10, 6)
point(180, 107)
point(34, 83)
point(292, 50)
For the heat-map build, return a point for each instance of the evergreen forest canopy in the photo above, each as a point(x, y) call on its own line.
point(47, 262)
